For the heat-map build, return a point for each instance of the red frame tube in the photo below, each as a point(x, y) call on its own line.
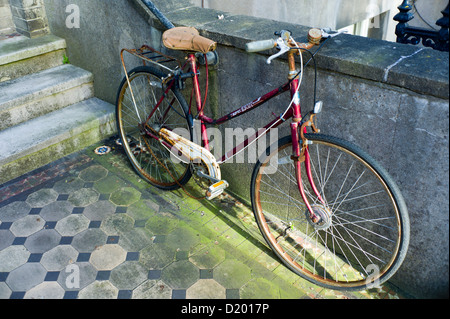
point(198, 99)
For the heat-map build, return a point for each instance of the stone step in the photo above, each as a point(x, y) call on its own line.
point(40, 141)
point(21, 55)
point(36, 94)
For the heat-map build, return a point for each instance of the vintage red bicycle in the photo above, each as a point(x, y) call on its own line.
point(328, 210)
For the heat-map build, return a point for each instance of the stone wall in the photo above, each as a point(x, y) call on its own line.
point(390, 99)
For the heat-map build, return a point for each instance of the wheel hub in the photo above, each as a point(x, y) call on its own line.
point(322, 219)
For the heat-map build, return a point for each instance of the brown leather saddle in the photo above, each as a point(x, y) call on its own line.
point(187, 39)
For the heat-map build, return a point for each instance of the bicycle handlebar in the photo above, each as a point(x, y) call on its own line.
point(259, 46)
point(314, 38)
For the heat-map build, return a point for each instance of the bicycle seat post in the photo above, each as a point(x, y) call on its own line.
point(198, 98)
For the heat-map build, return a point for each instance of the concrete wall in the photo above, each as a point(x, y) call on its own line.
point(391, 99)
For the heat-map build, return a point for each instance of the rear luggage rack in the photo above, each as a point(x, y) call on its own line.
point(152, 56)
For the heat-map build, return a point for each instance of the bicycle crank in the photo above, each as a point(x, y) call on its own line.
point(189, 152)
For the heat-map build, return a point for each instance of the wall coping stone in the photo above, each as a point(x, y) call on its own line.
point(422, 70)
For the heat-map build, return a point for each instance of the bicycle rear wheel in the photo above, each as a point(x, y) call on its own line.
point(362, 236)
point(149, 157)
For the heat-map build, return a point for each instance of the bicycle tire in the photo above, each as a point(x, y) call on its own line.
point(352, 247)
point(156, 165)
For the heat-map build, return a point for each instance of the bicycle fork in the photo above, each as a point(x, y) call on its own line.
point(300, 152)
point(301, 156)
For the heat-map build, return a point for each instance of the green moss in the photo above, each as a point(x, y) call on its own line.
point(66, 59)
point(261, 289)
point(162, 224)
point(125, 196)
point(208, 257)
point(108, 185)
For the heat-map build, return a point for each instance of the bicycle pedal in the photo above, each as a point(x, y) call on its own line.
point(216, 189)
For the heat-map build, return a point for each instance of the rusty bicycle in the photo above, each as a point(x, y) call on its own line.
point(327, 209)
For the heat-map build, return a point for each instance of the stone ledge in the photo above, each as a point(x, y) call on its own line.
point(423, 71)
point(22, 48)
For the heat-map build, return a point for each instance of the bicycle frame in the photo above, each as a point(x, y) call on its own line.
point(205, 120)
point(232, 115)
point(299, 153)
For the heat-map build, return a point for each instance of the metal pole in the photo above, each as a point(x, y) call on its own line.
point(161, 17)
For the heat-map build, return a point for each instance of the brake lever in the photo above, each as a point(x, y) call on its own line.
point(283, 47)
point(327, 35)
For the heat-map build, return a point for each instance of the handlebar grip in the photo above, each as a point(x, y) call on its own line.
point(262, 45)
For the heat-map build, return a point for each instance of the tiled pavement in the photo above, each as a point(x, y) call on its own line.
point(87, 227)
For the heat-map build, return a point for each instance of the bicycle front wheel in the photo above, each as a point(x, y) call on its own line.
point(144, 103)
point(362, 234)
